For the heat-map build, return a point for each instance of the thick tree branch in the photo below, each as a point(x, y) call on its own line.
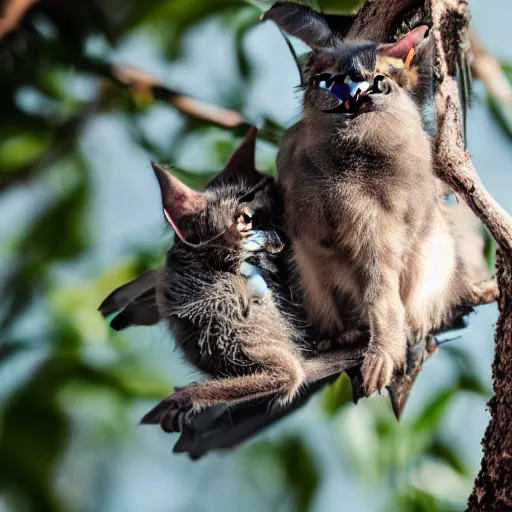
point(493, 486)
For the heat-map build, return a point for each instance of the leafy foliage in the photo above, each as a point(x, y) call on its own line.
point(58, 78)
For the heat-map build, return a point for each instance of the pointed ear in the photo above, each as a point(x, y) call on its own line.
point(241, 166)
point(301, 21)
point(178, 200)
point(404, 48)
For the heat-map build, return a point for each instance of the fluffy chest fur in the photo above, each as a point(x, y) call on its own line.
point(360, 197)
point(217, 314)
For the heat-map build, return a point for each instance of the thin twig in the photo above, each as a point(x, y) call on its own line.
point(487, 68)
point(12, 13)
point(143, 83)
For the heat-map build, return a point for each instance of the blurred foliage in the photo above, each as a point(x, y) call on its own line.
point(293, 461)
point(56, 78)
point(502, 113)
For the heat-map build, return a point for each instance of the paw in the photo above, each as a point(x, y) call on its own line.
point(179, 411)
point(377, 371)
point(171, 413)
point(324, 345)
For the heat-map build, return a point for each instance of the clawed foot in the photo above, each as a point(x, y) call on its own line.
point(171, 413)
point(377, 371)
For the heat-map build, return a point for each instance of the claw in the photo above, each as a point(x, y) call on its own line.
point(171, 413)
point(377, 371)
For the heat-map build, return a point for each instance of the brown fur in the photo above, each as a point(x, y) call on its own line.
point(251, 345)
point(367, 184)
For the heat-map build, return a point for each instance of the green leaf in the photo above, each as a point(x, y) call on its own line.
point(20, 150)
point(432, 414)
point(295, 461)
point(336, 396)
point(169, 20)
point(140, 381)
point(445, 452)
point(415, 500)
point(502, 114)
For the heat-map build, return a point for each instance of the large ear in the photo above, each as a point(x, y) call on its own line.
point(241, 166)
point(301, 21)
point(405, 47)
point(178, 200)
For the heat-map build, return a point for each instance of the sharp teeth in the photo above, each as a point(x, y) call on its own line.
point(364, 86)
point(347, 80)
point(323, 84)
point(357, 87)
point(354, 87)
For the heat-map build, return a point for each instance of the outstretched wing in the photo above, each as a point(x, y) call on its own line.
point(136, 300)
point(221, 427)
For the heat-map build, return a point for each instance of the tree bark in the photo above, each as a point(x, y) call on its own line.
point(493, 485)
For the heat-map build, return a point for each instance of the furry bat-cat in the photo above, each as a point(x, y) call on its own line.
point(224, 425)
point(230, 311)
point(380, 21)
point(362, 203)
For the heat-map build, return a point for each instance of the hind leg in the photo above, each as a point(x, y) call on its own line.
point(281, 373)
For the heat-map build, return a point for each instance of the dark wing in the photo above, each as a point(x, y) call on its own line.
point(137, 299)
point(221, 427)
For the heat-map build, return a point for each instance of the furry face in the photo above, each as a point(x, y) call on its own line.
point(352, 79)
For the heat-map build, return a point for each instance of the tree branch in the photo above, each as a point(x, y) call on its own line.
point(493, 486)
point(143, 83)
point(12, 11)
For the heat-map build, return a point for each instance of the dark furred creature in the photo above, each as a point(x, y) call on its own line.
point(205, 270)
point(363, 206)
point(227, 300)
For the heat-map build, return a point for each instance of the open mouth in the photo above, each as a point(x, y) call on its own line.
point(352, 96)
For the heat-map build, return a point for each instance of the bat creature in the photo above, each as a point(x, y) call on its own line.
point(230, 310)
point(196, 273)
point(362, 203)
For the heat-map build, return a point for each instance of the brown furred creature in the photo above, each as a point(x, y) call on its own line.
point(205, 270)
point(363, 206)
